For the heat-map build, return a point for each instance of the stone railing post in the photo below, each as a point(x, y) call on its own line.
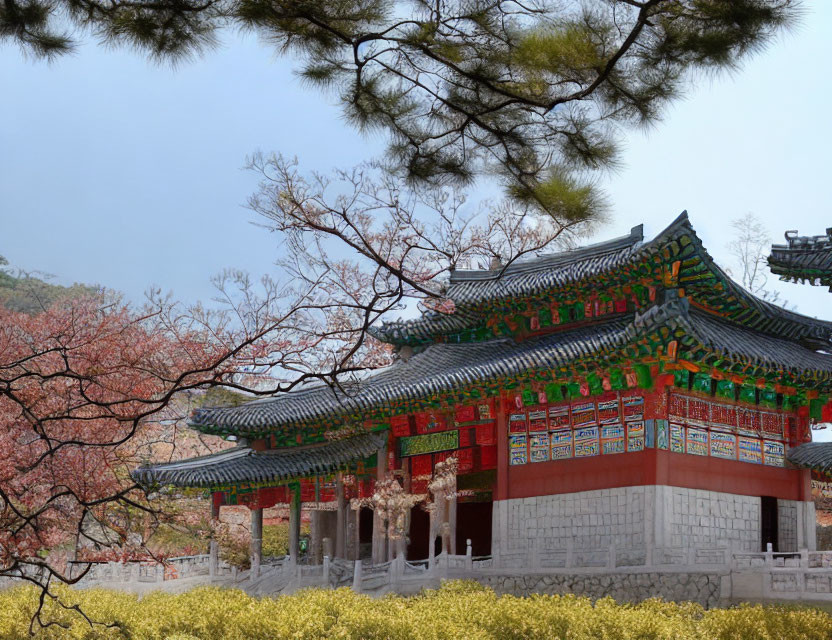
point(804, 567)
point(801, 576)
point(160, 572)
point(326, 571)
point(769, 555)
point(356, 577)
point(396, 571)
point(469, 555)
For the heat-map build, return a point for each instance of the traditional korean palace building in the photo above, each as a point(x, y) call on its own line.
point(627, 393)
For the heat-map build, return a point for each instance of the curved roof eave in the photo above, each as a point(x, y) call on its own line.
point(397, 332)
point(812, 455)
point(444, 368)
point(245, 465)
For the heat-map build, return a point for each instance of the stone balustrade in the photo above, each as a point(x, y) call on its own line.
point(708, 576)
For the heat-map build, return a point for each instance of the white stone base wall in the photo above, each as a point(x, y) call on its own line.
point(638, 517)
point(708, 519)
point(587, 520)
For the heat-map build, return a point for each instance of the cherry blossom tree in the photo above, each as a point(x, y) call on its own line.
point(84, 380)
point(81, 380)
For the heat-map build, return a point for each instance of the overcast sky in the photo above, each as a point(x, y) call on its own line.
point(119, 172)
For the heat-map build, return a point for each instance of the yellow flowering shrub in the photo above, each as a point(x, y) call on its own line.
point(457, 610)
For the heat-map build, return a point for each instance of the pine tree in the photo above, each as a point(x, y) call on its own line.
point(532, 91)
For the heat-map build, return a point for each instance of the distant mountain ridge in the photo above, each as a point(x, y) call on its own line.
point(29, 294)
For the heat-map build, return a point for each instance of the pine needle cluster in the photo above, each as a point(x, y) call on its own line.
point(535, 92)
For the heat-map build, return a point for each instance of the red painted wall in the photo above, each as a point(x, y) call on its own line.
point(649, 467)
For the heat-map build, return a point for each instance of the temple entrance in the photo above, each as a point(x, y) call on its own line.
point(768, 522)
point(417, 546)
point(473, 521)
point(365, 533)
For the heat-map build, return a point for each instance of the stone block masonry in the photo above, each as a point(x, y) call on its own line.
point(633, 518)
point(707, 519)
point(787, 515)
point(589, 519)
point(704, 588)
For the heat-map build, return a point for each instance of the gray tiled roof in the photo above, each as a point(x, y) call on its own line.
point(803, 259)
point(734, 342)
point(523, 277)
point(444, 367)
point(438, 368)
point(812, 455)
point(244, 465)
point(550, 272)
point(526, 277)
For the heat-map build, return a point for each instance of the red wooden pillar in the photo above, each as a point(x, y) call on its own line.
point(502, 448)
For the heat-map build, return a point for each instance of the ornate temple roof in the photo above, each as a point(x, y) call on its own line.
point(617, 258)
point(439, 368)
point(733, 343)
point(443, 367)
point(244, 465)
point(525, 277)
point(812, 455)
point(803, 259)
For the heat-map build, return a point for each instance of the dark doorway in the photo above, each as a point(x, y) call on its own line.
point(365, 532)
point(768, 522)
point(473, 521)
point(417, 546)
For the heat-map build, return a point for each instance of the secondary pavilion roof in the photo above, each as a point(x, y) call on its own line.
point(608, 261)
point(812, 455)
point(803, 259)
point(444, 367)
point(245, 465)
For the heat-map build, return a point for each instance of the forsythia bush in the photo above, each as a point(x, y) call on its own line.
point(457, 610)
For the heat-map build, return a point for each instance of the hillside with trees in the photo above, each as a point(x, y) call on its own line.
point(24, 292)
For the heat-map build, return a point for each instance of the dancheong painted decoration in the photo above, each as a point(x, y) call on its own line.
point(629, 363)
